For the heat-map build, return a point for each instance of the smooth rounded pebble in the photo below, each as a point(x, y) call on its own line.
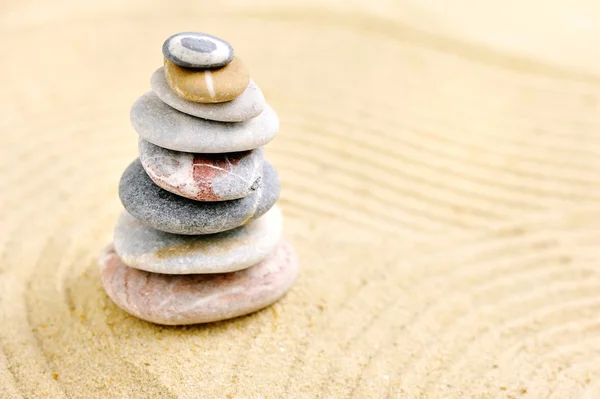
point(198, 298)
point(197, 50)
point(152, 250)
point(203, 177)
point(169, 212)
point(246, 106)
point(166, 127)
point(208, 85)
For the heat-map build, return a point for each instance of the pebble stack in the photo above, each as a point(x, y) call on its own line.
point(200, 239)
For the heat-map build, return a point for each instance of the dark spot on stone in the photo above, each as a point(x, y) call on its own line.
point(198, 45)
point(256, 184)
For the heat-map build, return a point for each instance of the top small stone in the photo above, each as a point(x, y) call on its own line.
point(197, 50)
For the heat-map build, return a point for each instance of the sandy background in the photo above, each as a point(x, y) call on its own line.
point(441, 183)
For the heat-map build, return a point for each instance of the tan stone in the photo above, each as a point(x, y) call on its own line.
point(208, 85)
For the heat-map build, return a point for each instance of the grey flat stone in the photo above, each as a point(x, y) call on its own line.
point(168, 212)
point(247, 106)
point(203, 177)
point(197, 50)
point(145, 248)
point(166, 127)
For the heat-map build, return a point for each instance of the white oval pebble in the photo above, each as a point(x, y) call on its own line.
point(247, 106)
point(145, 248)
point(166, 127)
point(197, 50)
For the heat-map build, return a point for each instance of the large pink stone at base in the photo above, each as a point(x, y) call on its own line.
point(198, 298)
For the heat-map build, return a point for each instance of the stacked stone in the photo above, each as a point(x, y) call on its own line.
point(201, 237)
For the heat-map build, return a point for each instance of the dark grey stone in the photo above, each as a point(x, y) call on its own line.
point(168, 212)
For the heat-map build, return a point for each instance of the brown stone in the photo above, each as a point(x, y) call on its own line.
point(198, 298)
point(208, 85)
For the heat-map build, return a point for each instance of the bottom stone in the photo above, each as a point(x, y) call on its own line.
point(198, 298)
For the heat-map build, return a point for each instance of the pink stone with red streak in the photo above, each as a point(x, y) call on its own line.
point(198, 298)
point(203, 177)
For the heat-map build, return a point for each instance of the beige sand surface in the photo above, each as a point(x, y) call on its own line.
point(441, 183)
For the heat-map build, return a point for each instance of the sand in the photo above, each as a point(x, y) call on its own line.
point(445, 208)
